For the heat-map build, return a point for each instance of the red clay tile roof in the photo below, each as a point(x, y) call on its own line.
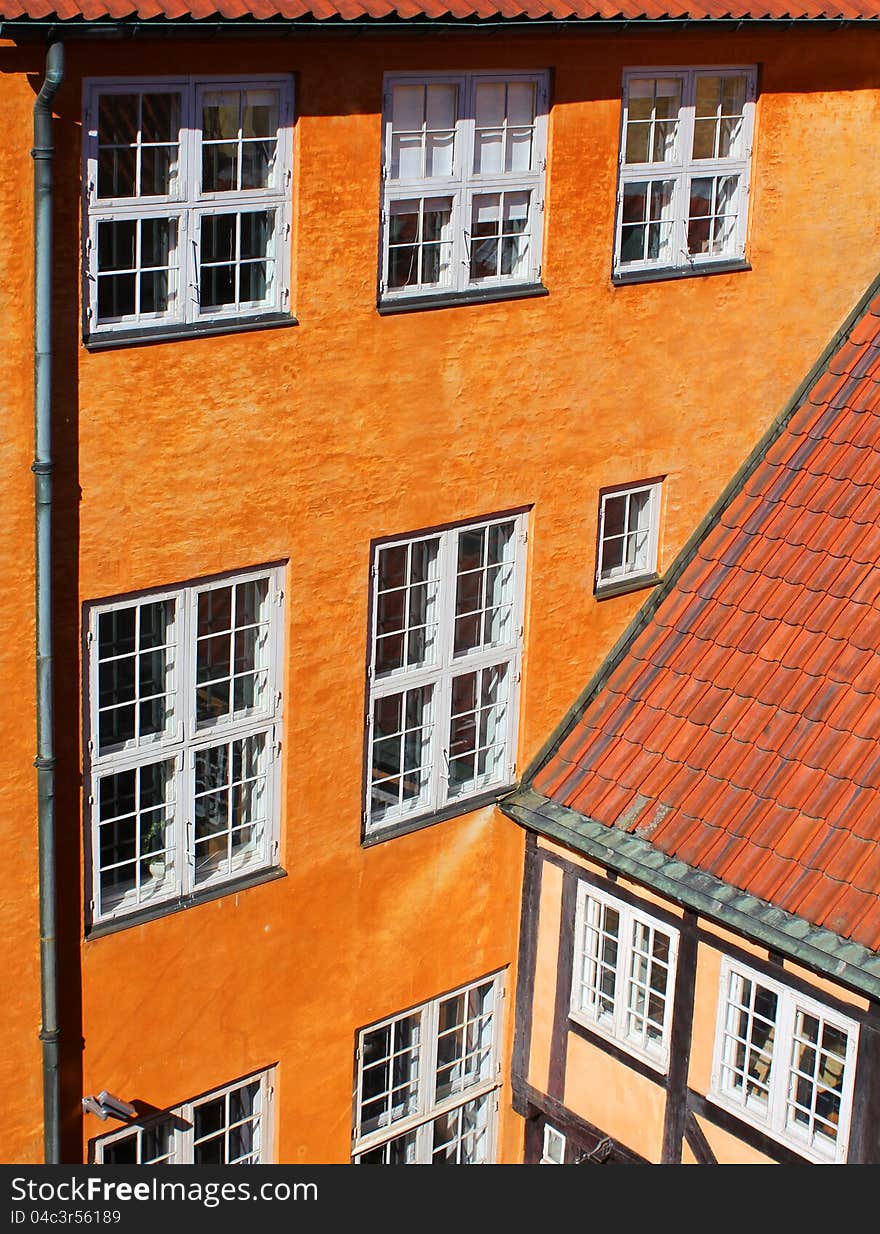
point(740, 732)
point(442, 10)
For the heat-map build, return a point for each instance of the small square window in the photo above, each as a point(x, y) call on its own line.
point(185, 716)
point(624, 974)
point(784, 1063)
point(187, 201)
point(463, 183)
point(230, 1126)
point(686, 145)
point(553, 1152)
point(629, 521)
point(428, 1080)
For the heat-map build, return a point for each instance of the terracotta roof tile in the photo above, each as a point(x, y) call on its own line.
point(751, 736)
point(847, 911)
point(352, 10)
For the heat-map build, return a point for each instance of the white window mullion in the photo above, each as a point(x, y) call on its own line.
point(464, 197)
point(442, 727)
point(448, 586)
point(783, 1062)
point(188, 822)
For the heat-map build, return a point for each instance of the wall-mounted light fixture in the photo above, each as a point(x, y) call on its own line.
point(105, 1105)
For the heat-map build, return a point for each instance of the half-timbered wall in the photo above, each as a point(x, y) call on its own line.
point(613, 1106)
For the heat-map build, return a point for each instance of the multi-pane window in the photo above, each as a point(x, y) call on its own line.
point(446, 645)
point(463, 177)
point(784, 1063)
point(624, 971)
point(629, 523)
point(185, 712)
point(231, 1126)
point(553, 1149)
point(686, 147)
point(427, 1082)
point(187, 192)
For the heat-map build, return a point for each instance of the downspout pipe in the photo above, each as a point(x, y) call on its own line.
point(42, 153)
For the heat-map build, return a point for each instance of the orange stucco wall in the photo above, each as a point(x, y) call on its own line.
point(184, 459)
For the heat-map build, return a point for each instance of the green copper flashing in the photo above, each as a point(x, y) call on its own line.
point(821, 950)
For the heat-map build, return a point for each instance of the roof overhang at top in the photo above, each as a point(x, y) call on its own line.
point(83, 14)
point(821, 950)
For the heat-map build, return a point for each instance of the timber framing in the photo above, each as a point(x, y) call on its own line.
point(823, 952)
point(684, 1107)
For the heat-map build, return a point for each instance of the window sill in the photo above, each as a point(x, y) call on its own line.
point(621, 279)
point(167, 907)
point(657, 1063)
point(165, 334)
point(452, 299)
point(624, 585)
point(835, 1156)
point(466, 806)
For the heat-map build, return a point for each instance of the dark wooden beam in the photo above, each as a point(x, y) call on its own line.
point(698, 1143)
point(864, 1133)
point(680, 1041)
point(527, 956)
point(564, 965)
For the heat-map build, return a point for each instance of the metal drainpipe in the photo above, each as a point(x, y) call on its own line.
point(42, 469)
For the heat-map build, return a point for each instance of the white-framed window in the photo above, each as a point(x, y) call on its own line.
point(427, 1082)
point(229, 1126)
point(629, 532)
point(444, 667)
point(784, 1062)
point(624, 974)
point(463, 182)
point(187, 190)
point(553, 1150)
point(184, 739)
point(685, 154)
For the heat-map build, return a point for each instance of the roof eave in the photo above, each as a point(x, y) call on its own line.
point(820, 950)
point(53, 28)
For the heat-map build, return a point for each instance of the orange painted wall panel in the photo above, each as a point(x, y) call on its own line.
point(183, 459)
point(620, 1102)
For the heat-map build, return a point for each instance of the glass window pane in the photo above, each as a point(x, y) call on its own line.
point(521, 103)
point(260, 113)
point(441, 107)
point(118, 119)
point(221, 113)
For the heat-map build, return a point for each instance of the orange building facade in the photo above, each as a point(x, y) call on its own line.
point(293, 453)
